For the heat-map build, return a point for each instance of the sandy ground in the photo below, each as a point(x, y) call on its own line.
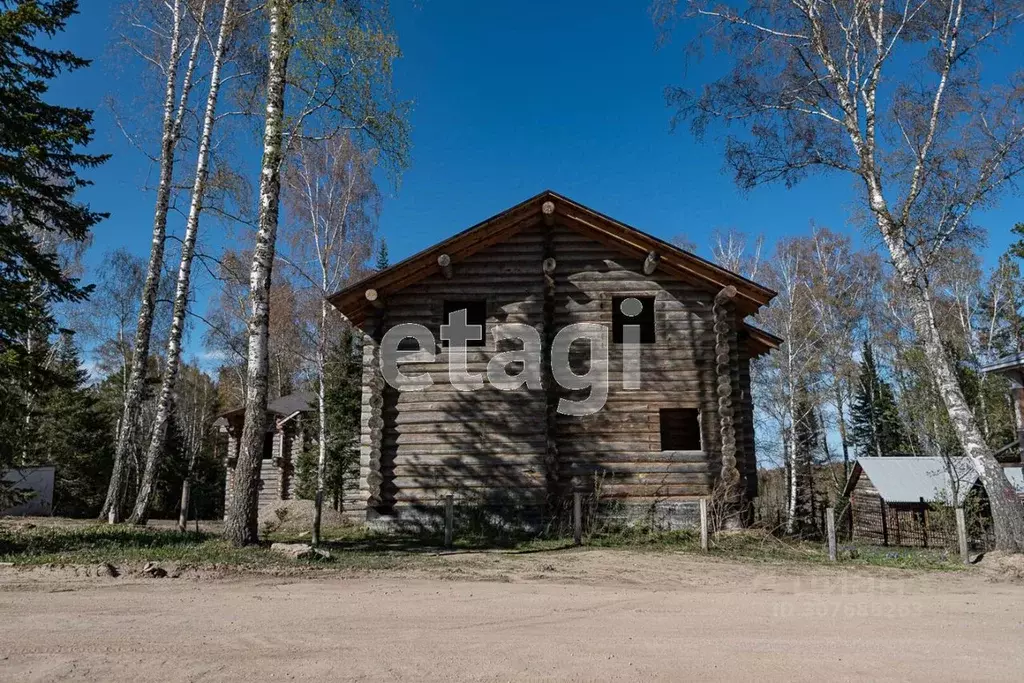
point(575, 615)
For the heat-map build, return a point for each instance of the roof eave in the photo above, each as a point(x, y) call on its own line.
point(352, 302)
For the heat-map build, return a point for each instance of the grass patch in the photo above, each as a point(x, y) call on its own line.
point(748, 546)
point(367, 549)
point(133, 545)
point(760, 546)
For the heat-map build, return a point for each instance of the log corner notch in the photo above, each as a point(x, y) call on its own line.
point(651, 265)
point(444, 262)
point(547, 209)
point(373, 296)
point(722, 310)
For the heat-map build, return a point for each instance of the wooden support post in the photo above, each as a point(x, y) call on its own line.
point(186, 493)
point(444, 261)
point(577, 518)
point(373, 296)
point(961, 535)
point(924, 522)
point(885, 522)
point(449, 520)
point(651, 262)
point(830, 525)
point(548, 209)
point(704, 524)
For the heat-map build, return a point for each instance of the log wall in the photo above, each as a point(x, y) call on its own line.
point(277, 473)
point(504, 448)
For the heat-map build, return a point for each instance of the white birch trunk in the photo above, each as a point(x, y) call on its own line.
point(791, 456)
point(111, 509)
point(173, 361)
point(1007, 514)
point(321, 465)
point(241, 525)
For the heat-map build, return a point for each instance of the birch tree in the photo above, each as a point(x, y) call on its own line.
point(241, 524)
point(732, 250)
point(174, 28)
point(936, 143)
point(226, 335)
point(790, 377)
point(339, 57)
point(333, 203)
point(172, 360)
point(842, 282)
point(195, 404)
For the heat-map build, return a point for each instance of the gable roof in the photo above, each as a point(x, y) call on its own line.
point(750, 296)
point(900, 479)
point(283, 407)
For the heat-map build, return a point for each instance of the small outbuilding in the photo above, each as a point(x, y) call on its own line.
point(895, 500)
point(290, 421)
point(35, 488)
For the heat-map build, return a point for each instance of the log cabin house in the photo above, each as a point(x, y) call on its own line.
point(547, 263)
point(289, 422)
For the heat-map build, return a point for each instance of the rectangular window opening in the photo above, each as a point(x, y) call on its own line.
point(633, 310)
point(476, 314)
point(680, 429)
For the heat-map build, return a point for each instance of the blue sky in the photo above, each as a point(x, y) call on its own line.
point(511, 98)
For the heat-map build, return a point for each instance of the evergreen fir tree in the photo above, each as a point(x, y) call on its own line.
point(69, 430)
point(343, 388)
point(876, 428)
point(383, 260)
point(40, 156)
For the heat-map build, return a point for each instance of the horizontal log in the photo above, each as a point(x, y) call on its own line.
point(480, 428)
point(614, 454)
point(436, 496)
point(518, 481)
point(607, 478)
point(459, 458)
point(573, 468)
point(446, 452)
point(652, 491)
point(493, 442)
point(407, 416)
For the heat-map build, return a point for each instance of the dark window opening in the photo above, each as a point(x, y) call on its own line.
point(268, 446)
point(644, 318)
point(680, 429)
point(409, 344)
point(476, 314)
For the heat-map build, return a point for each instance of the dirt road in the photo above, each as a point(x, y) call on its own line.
point(597, 615)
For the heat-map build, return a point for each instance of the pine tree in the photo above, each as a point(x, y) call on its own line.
point(342, 382)
point(70, 431)
point(39, 159)
point(40, 156)
point(875, 420)
point(383, 261)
